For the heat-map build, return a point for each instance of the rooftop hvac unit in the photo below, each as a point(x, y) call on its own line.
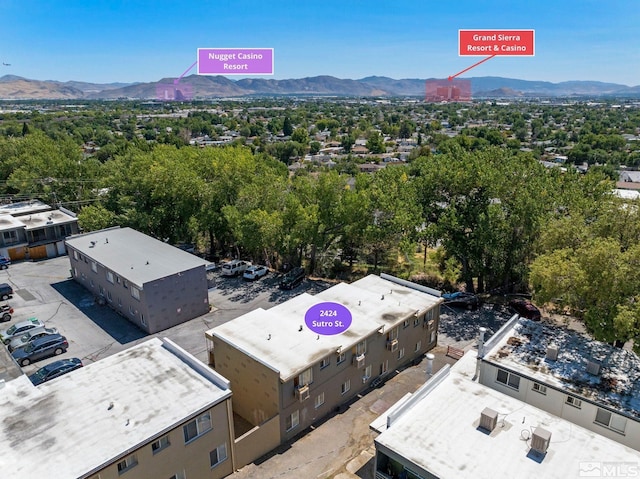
point(593, 367)
point(552, 352)
point(392, 345)
point(358, 361)
point(540, 440)
point(488, 419)
point(302, 393)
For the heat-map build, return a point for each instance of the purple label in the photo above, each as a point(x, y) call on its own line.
point(328, 318)
point(174, 92)
point(235, 61)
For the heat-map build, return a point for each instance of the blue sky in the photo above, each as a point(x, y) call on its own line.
point(129, 40)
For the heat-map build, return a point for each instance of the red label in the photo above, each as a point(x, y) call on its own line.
point(496, 42)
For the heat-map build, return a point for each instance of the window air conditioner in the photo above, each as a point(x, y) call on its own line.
point(302, 393)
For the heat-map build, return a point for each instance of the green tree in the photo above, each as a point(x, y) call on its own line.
point(287, 127)
point(375, 143)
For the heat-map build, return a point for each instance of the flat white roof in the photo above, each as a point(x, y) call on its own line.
point(24, 207)
point(439, 432)
point(46, 218)
point(522, 348)
point(280, 339)
point(134, 255)
point(9, 222)
point(66, 428)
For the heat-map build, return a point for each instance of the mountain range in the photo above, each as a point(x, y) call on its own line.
point(18, 88)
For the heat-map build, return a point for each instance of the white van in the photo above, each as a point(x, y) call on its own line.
point(234, 267)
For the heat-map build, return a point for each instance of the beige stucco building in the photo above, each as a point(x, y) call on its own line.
point(151, 411)
point(285, 376)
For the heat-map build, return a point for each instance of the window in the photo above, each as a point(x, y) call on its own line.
point(197, 427)
point(142, 320)
point(75, 253)
point(341, 358)
point(91, 283)
point(345, 386)
point(127, 463)
point(324, 363)
point(110, 277)
point(132, 311)
point(125, 283)
point(367, 372)
point(428, 315)
point(384, 367)
point(109, 296)
point(292, 420)
point(304, 378)
point(393, 334)
point(135, 292)
point(400, 353)
point(361, 348)
point(160, 444)
point(11, 237)
point(94, 266)
point(416, 321)
point(101, 290)
point(319, 400)
point(539, 388)
point(612, 421)
point(179, 475)
point(218, 455)
point(405, 323)
point(432, 338)
point(418, 346)
point(508, 379)
point(38, 235)
point(66, 230)
point(119, 302)
point(575, 402)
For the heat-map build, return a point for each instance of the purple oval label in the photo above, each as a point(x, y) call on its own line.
point(328, 318)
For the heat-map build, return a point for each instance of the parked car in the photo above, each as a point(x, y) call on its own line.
point(5, 313)
point(55, 369)
point(255, 272)
point(35, 333)
point(525, 309)
point(292, 279)
point(461, 299)
point(234, 267)
point(6, 291)
point(19, 329)
point(4, 262)
point(41, 348)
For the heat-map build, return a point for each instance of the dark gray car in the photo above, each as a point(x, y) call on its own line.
point(41, 348)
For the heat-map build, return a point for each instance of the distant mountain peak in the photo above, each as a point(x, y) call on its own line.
point(16, 87)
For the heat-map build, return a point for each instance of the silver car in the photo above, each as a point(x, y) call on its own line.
point(19, 329)
point(26, 338)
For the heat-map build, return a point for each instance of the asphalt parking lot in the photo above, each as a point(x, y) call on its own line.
point(44, 289)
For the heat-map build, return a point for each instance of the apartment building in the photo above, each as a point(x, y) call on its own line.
point(286, 376)
point(586, 382)
point(152, 410)
point(455, 427)
point(34, 230)
point(152, 284)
